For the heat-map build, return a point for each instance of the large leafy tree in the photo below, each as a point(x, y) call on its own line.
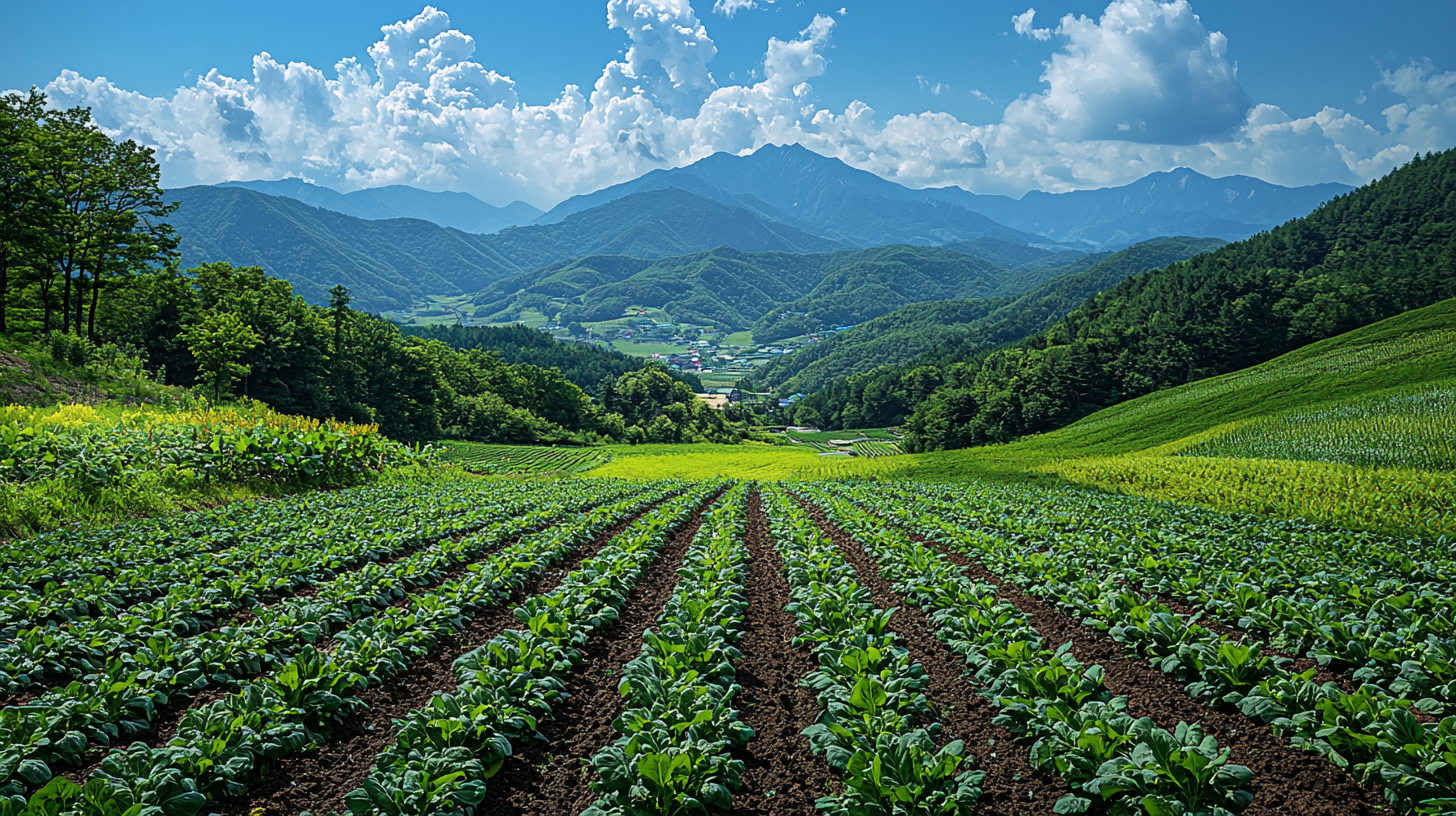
point(218, 343)
point(25, 209)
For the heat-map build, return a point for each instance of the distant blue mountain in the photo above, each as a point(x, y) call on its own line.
point(461, 211)
point(823, 196)
point(827, 197)
point(1178, 202)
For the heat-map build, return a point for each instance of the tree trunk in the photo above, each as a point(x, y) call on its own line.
point(47, 281)
point(4, 288)
point(80, 300)
point(95, 297)
point(66, 302)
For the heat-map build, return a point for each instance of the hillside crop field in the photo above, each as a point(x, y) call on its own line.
point(632, 646)
point(503, 459)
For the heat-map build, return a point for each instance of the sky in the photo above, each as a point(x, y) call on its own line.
point(541, 101)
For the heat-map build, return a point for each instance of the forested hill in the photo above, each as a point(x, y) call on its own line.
point(939, 332)
point(585, 366)
point(1374, 253)
point(394, 263)
point(779, 294)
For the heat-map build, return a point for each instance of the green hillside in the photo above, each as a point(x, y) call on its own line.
point(386, 264)
point(734, 289)
point(941, 332)
point(584, 365)
point(1377, 252)
point(1410, 351)
point(1355, 431)
point(392, 264)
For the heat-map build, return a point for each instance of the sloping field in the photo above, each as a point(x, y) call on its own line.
point(511, 459)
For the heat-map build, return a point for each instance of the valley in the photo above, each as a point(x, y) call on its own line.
point(762, 484)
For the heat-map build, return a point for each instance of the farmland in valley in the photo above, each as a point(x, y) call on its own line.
point(502, 459)
point(605, 646)
point(1253, 615)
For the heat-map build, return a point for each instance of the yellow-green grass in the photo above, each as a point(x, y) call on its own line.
point(746, 461)
point(1322, 402)
point(1325, 401)
point(513, 459)
point(1386, 499)
point(646, 348)
point(743, 338)
point(852, 433)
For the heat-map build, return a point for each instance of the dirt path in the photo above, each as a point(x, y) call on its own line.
point(783, 776)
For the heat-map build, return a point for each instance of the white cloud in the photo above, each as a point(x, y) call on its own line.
point(1023, 24)
point(934, 87)
point(1145, 87)
point(1145, 72)
point(728, 8)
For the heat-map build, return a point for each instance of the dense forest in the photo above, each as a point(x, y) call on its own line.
point(89, 270)
point(588, 366)
point(776, 294)
point(875, 375)
point(1379, 251)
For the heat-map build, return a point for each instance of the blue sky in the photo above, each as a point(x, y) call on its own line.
point(1293, 92)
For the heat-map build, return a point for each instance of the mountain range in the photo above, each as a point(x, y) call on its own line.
point(395, 246)
point(462, 211)
point(931, 332)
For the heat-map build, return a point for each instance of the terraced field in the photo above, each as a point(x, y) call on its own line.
point(506, 459)
point(611, 646)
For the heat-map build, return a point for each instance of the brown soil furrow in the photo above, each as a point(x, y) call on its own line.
point(550, 776)
point(168, 717)
point(1287, 780)
point(317, 781)
point(783, 776)
point(307, 589)
point(1011, 787)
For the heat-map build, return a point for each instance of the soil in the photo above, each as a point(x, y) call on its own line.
point(783, 777)
point(1287, 780)
point(551, 777)
point(1011, 787)
point(317, 781)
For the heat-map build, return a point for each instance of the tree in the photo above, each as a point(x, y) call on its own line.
point(218, 343)
point(24, 206)
point(339, 300)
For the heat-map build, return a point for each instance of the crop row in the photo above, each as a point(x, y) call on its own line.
point(876, 449)
point(218, 748)
point(1412, 428)
point(1081, 732)
point(871, 691)
point(1377, 734)
point(123, 694)
point(175, 633)
point(520, 459)
point(445, 751)
point(1311, 597)
point(244, 559)
point(679, 723)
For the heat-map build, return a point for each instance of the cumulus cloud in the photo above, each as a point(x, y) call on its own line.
point(1145, 72)
point(1144, 87)
point(1023, 24)
point(728, 8)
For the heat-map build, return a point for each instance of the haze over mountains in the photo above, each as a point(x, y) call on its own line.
point(395, 246)
point(462, 211)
